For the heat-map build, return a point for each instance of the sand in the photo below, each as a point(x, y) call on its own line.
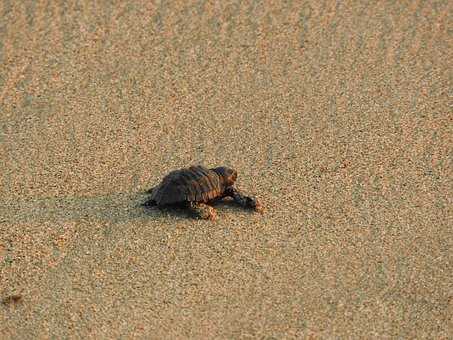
point(335, 114)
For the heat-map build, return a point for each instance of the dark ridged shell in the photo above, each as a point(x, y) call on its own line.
point(197, 184)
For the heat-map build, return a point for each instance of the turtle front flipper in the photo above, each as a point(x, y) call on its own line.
point(202, 210)
point(243, 200)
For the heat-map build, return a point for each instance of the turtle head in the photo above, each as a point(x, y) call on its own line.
point(227, 175)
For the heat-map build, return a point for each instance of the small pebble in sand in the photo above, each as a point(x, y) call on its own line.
point(11, 299)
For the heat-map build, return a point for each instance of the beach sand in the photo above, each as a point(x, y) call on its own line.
point(335, 114)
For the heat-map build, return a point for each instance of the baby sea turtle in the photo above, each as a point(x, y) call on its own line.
point(196, 186)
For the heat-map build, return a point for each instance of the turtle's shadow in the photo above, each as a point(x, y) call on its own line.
point(114, 208)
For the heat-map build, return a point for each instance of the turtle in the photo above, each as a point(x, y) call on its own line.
point(197, 186)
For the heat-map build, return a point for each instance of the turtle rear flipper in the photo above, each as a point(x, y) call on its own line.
point(149, 191)
point(149, 203)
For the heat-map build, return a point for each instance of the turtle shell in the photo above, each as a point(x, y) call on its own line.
point(196, 184)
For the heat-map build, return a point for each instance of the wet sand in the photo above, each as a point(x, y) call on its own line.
point(336, 115)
